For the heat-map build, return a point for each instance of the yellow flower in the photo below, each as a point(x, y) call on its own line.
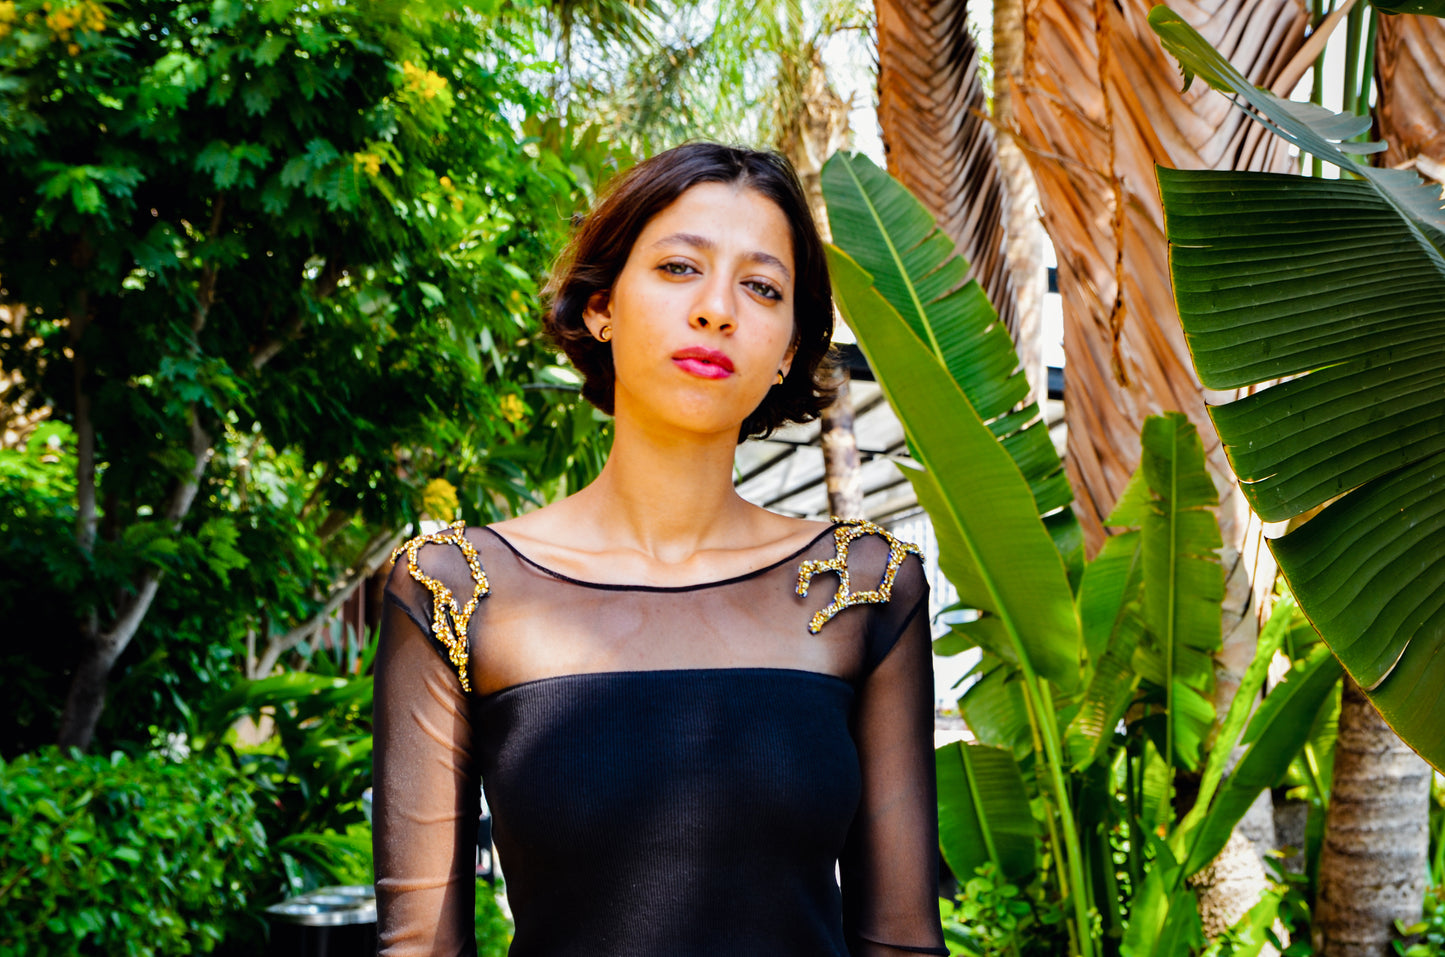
point(439, 500)
point(446, 182)
point(7, 12)
point(64, 21)
point(513, 408)
point(371, 162)
point(425, 83)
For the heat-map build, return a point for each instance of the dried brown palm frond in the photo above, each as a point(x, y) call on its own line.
point(939, 144)
point(1099, 105)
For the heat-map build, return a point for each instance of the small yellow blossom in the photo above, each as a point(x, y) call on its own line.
point(446, 182)
point(457, 203)
point(371, 162)
point(513, 408)
point(65, 21)
point(7, 13)
point(426, 83)
point(439, 500)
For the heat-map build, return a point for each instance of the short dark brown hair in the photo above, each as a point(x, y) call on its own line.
point(603, 240)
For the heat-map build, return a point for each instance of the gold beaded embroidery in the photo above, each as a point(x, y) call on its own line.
point(847, 531)
point(449, 623)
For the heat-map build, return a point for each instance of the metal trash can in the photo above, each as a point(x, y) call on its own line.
point(327, 922)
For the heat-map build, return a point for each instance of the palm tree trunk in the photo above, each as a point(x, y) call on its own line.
point(1373, 863)
point(842, 468)
point(808, 135)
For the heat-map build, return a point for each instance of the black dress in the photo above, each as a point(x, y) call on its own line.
point(671, 771)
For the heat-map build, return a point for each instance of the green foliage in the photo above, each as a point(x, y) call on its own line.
point(1335, 286)
point(1427, 937)
point(992, 917)
point(983, 812)
point(37, 509)
point(1136, 655)
point(655, 73)
point(304, 240)
point(310, 775)
point(493, 930)
point(124, 855)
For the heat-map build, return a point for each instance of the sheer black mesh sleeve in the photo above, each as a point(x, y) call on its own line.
point(425, 783)
point(889, 866)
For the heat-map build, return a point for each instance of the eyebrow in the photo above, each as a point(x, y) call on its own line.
point(704, 243)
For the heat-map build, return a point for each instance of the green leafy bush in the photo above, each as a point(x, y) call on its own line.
point(494, 929)
point(123, 855)
point(310, 773)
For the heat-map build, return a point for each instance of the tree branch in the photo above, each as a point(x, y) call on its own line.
point(373, 555)
point(325, 285)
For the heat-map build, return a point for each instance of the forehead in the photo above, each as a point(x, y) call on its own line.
point(727, 215)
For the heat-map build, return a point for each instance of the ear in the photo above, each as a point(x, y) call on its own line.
point(787, 364)
point(598, 311)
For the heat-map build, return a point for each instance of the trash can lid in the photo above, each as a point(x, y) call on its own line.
point(329, 907)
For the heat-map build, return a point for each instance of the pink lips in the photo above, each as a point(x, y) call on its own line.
point(703, 363)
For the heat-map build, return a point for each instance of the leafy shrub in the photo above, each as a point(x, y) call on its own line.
point(310, 772)
point(992, 917)
point(123, 855)
point(494, 930)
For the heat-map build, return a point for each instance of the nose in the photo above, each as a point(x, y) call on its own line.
point(714, 308)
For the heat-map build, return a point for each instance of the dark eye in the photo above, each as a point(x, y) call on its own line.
point(676, 268)
point(765, 289)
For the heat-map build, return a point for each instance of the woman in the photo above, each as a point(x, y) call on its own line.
point(690, 712)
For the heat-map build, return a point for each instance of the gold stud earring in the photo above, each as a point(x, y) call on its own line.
point(780, 378)
point(605, 333)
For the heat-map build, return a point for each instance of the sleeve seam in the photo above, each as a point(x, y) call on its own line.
point(902, 627)
point(432, 641)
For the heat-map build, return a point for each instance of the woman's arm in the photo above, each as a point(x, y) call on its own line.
point(425, 788)
point(889, 868)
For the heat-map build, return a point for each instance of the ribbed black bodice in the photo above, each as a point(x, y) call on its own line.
point(681, 812)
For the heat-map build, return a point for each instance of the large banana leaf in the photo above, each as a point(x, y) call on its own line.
point(992, 546)
point(1276, 734)
point(1183, 582)
point(889, 233)
point(994, 708)
point(983, 812)
point(1340, 286)
point(1112, 627)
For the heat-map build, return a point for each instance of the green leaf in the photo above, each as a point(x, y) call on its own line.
point(1339, 285)
point(1428, 8)
point(983, 811)
point(1112, 626)
point(1271, 640)
point(1183, 583)
point(993, 707)
point(915, 268)
point(992, 546)
point(1275, 735)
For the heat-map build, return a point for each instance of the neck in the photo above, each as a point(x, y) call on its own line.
point(667, 495)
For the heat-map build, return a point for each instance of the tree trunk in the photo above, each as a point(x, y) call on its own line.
point(1377, 838)
point(841, 466)
point(86, 698)
point(808, 136)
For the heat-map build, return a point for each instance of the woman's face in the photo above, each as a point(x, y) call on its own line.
point(702, 312)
